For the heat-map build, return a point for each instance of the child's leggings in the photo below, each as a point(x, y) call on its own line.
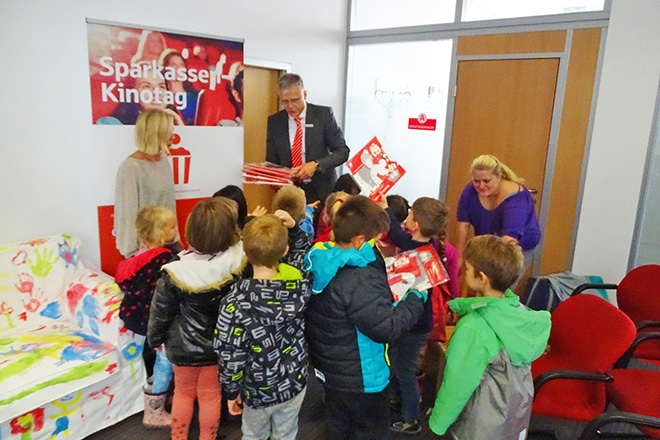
point(200, 382)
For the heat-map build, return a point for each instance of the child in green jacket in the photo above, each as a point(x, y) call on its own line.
point(488, 390)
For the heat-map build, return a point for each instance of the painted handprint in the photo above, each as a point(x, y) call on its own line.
point(6, 311)
point(67, 253)
point(36, 299)
point(25, 283)
point(89, 310)
point(44, 262)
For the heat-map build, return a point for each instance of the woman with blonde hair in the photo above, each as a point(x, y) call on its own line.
point(497, 202)
point(145, 177)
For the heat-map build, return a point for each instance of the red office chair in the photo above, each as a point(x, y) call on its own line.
point(638, 296)
point(635, 394)
point(588, 335)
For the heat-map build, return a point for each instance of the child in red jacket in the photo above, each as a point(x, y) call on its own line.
point(136, 276)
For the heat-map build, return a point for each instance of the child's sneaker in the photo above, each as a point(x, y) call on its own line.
point(412, 427)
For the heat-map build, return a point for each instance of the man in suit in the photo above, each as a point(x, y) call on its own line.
point(305, 137)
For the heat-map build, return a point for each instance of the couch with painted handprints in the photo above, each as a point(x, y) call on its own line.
point(68, 367)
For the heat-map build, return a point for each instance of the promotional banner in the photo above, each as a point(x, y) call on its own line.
point(131, 69)
point(198, 78)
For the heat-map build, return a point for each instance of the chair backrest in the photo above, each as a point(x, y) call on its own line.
point(638, 294)
point(589, 334)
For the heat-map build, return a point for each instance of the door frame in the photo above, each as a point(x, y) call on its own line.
point(562, 74)
point(267, 64)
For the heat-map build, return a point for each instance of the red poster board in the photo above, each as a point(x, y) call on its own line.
point(110, 256)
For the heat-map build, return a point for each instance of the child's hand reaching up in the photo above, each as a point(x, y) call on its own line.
point(286, 218)
point(259, 211)
point(235, 406)
point(382, 201)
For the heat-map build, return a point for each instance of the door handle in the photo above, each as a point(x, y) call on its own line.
point(533, 191)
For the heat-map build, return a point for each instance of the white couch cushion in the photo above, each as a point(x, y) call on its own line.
point(46, 363)
point(33, 278)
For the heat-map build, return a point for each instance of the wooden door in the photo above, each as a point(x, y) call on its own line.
point(502, 107)
point(261, 101)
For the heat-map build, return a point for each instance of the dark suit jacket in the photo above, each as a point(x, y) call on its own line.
point(324, 144)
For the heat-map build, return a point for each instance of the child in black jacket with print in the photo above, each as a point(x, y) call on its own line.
point(260, 333)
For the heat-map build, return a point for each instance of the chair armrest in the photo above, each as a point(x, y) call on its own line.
point(93, 300)
point(648, 324)
point(582, 287)
point(546, 377)
point(641, 337)
point(590, 431)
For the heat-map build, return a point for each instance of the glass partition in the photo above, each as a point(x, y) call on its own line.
point(380, 14)
point(647, 249)
point(494, 9)
point(398, 92)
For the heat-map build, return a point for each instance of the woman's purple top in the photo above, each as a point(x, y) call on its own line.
point(515, 216)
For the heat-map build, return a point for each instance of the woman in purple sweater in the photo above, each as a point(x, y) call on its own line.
point(496, 202)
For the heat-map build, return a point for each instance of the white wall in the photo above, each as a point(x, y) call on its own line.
point(47, 185)
point(622, 125)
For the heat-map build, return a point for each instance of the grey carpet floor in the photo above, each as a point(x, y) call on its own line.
point(311, 426)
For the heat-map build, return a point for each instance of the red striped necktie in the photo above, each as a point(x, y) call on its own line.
point(296, 147)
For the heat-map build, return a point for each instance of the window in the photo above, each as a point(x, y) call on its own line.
point(494, 9)
point(647, 249)
point(388, 85)
point(378, 14)
point(381, 14)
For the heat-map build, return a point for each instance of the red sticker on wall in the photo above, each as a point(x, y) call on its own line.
point(421, 122)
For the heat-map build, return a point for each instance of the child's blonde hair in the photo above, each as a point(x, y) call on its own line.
point(151, 223)
point(500, 261)
point(488, 162)
point(153, 131)
point(212, 226)
point(291, 199)
point(265, 240)
point(333, 202)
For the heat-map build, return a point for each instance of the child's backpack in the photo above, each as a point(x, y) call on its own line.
point(547, 292)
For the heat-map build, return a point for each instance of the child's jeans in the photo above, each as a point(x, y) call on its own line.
point(404, 354)
point(203, 383)
point(280, 421)
point(163, 372)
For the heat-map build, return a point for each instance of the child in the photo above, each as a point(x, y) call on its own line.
point(400, 207)
point(136, 276)
point(487, 391)
point(185, 308)
point(332, 204)
point(291, 199)
point(260, 334)
point(350, 320)
point(236, 194)
point(425, 224)
point(347, 184)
